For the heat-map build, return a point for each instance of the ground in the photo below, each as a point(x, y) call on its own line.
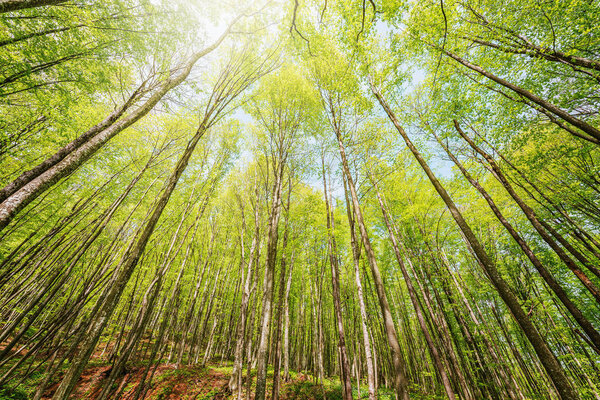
point(186, 382)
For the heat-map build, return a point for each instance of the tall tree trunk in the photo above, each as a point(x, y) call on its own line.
point(355, 244)
point(433, 350)
point(400, 381)
point(282, 279)
point(585, 324)
point(584, 126)
point(27, 187)
point(267, 306)
point(106, 304)
point(150, 298)
point(277, 338)
point(235, 383)
point(549, 361)
point(14, 5)
point(543, 229)
point(286, 325)
point(346, 374)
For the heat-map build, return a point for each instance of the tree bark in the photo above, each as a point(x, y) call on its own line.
point(433, 350)
point(585, 324)
point(34, 182)
point(584, 126)
point(549, 361)
point(541, 228)
point(111, 296)
point(355, 244)
point(286, 326)
point(267, 307)
point(400, 381)
point(14, 5)
point(277, 338)
point(345, 373)
point(235, 383)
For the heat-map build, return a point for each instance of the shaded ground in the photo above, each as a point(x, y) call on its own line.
point(193, 383)
point(169, 382)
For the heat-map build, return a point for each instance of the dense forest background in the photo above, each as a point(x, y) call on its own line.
point(300, 199)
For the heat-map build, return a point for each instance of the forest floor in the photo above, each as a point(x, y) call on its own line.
point(187, 382)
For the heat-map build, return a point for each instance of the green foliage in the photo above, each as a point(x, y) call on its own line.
point(198, 254)
point(13, 394)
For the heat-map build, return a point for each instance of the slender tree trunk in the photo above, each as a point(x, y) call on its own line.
point(584, 126)
point(585, 324)
point(14, 5)
point(400, 381)
point(109, 299)
point(442, 320)
point(369, 357)
point(433, 350)
point(267, 306)
point(498, 383)
point(286, 325)
point(345, 375)
point(549, 361)
point(235, 383)
point(530, 48)
point(191, 319)
point(282, 279)
point(539, 226)
point(31, 184)
point(64, 151)
point(150, 298)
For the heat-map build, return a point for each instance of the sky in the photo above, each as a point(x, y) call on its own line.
point(215, 27)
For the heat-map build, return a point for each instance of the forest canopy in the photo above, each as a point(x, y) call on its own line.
point(299, 199)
